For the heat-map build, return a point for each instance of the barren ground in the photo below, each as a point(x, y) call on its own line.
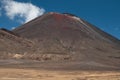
point(31, 74)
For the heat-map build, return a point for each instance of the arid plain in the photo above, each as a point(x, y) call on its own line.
point(31, 74)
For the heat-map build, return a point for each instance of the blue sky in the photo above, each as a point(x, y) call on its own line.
point(105, 14)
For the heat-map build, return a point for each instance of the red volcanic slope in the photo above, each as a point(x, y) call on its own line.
point(58, 21)
point(57, 32)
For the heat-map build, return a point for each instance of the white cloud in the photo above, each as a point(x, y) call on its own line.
point(26, 11)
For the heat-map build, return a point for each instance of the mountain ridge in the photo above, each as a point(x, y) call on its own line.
point(65, 37)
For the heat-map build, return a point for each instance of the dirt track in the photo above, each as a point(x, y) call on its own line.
point(25, 74)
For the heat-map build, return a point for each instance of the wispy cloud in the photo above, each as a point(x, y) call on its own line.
point(0, 11)
point(13, 28)
point(23, 11)
point(117, 28)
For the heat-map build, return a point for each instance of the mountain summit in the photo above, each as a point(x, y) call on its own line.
point(62, 23)
point(70, 38)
